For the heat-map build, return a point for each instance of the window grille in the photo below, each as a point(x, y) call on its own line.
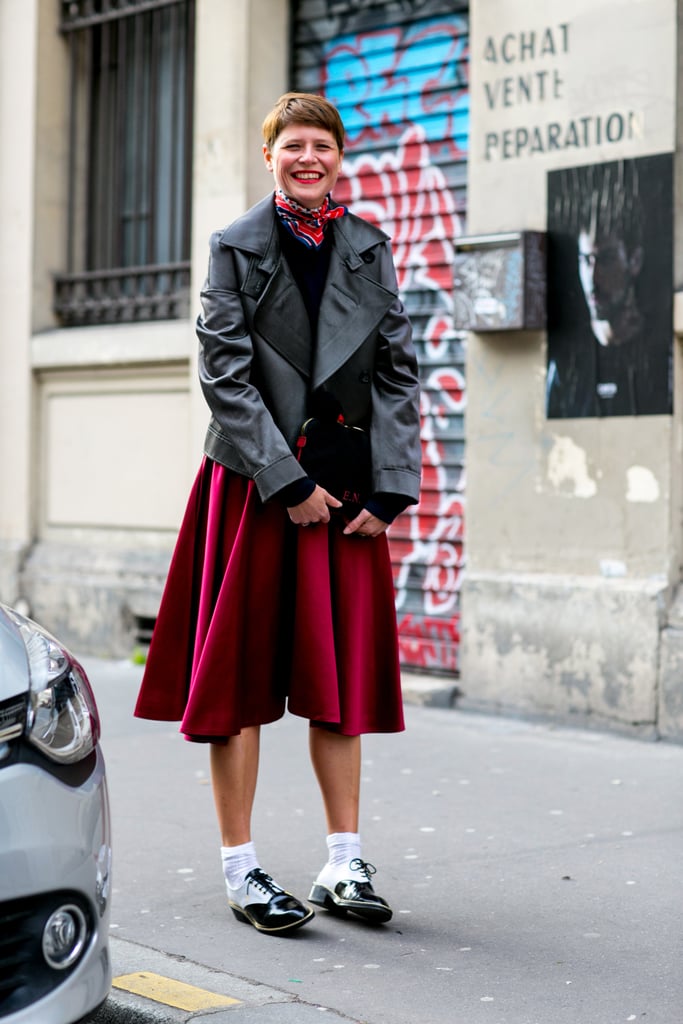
point(130, 146)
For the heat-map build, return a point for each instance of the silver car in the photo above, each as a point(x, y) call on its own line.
point(55, 840)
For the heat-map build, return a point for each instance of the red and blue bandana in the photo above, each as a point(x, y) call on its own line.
point(306, 225)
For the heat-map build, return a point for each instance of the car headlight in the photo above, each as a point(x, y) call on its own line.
point(62, 718)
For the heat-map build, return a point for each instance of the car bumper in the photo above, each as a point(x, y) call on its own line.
point(55, 840)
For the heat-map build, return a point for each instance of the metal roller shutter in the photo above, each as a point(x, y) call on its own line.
point(398, 72)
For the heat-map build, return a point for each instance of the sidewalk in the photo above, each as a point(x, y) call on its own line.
point(534, 874)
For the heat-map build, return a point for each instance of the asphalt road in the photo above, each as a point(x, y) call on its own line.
point(535, 875)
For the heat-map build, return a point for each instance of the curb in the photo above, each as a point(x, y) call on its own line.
point(256, 1003)
point(429, 690)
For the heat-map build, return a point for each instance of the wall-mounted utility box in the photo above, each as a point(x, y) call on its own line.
point(500, 282)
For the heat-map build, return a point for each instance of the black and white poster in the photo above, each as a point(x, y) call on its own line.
point(610, 289)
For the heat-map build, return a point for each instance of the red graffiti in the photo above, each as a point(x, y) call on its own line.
point(407, 196)
point(430, 642)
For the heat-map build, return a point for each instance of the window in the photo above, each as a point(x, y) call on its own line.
point(128, 233)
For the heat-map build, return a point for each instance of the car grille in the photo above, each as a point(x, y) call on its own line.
point(12, 718)
point(24, 975)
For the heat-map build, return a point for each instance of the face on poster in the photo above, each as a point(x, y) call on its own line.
point(610, 289)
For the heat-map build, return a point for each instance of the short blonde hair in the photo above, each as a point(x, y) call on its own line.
point(303, 108)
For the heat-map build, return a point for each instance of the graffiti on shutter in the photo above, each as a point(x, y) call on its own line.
point(398, 73)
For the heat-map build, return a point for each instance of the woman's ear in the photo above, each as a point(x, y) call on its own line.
point(268, 157)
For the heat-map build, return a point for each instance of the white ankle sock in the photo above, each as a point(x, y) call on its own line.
point(238, 861)
point(343, 847)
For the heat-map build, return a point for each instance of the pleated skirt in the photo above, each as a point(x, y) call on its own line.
point(259, 616)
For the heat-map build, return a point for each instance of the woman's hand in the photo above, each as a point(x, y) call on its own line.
point(316, 508)
point(366, 525)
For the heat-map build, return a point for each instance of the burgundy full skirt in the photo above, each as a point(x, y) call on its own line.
point(258, 615)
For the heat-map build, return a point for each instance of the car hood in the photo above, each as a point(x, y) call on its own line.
point(14, 673)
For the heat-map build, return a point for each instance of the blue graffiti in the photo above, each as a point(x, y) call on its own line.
point(382, 81)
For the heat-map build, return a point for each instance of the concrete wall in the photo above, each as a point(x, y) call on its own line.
point(101, 428)
point(574, 525)
point(18, 70)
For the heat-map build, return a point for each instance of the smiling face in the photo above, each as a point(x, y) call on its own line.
point(305, 162)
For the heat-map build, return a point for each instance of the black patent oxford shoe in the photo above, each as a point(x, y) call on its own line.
point(351, 896)
point(269, 908)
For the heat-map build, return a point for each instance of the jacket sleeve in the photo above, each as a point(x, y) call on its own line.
point(248, 439)
point(395, 425)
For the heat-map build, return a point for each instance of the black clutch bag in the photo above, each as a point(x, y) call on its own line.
point(337, 457)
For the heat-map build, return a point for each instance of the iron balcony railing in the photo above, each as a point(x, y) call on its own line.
point(130, 145)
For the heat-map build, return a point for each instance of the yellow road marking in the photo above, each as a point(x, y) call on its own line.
point(170, 992)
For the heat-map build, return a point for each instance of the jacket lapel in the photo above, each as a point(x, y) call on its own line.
point(280, 316)
point(281, 319)
point(353, 303)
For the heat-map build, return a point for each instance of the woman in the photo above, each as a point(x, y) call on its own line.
point(274, 597)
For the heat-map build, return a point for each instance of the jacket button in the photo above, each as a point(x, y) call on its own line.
point(364, 377)
point(368, 257)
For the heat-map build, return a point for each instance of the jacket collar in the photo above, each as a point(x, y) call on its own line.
point(256, 232)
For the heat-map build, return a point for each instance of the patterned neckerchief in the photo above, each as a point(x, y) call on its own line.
point(306, 225)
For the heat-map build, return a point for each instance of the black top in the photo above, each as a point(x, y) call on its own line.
point(309, 269)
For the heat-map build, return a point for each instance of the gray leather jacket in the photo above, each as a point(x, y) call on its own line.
point(256, 364)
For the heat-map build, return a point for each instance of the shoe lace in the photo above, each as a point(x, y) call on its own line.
point(364, 867)
point(260, 880)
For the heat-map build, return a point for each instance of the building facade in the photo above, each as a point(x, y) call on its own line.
point(571, 603)
point(510, 155)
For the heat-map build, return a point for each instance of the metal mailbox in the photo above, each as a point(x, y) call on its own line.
point(500, 282)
